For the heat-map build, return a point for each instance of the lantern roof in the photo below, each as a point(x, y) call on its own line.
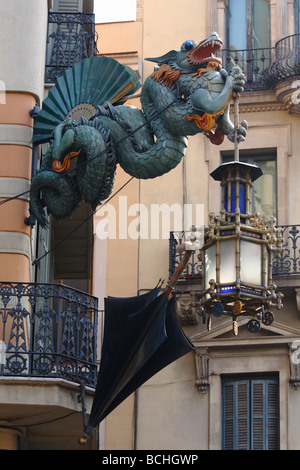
point(218, 173)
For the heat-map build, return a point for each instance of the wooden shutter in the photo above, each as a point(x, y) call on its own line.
point(236, 415)
point(258, 415)
point(228, 416)
point(273, 415)
point(265, 415)
point(67, 6)
point(242, 415)
point(250, 415)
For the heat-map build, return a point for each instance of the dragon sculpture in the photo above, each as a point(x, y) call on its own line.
point(188, 93)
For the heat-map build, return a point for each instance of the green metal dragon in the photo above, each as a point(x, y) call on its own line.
point(187, 94)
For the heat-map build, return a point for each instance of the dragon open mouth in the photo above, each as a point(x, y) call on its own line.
point(205, 52)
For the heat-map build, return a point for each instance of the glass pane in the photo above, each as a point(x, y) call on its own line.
point(210, 265)
point(264, 198)
point(227, 261)
point(233, 198)
point(261, 36)
point(237, 24)
point(250, 263)
point(297, 10)
point(265, 189)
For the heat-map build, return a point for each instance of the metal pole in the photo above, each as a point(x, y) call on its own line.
point(235, 97)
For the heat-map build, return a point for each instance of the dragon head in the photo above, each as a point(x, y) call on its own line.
point(191, 56)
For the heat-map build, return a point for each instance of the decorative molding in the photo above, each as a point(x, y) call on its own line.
point(15, 134)
point(202, 369)
point(262, 107)
point(297, 291)
point(187, 311)
point(294, 355)
point(9, 187)
point(16, 243)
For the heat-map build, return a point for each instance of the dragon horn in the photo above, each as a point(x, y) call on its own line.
point(163, 59)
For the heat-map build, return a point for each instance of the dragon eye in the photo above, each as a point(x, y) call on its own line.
point(187, 45)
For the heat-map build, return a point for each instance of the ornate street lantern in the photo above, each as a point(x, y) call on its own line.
point(237, 254)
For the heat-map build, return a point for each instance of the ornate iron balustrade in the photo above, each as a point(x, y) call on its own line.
point(71, 38)
point(193, 270)
point(285, 263)
point(266, 67)
point(253, 63)
point(286, 63)
point(48, 330)
point(288, 262)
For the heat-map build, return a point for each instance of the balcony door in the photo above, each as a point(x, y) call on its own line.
point(248, 36)
point(248, 24)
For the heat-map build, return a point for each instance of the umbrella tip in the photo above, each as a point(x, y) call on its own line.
point(82, 440)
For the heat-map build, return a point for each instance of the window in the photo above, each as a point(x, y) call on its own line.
point(248, 24)
point(264, 196)
point(248, 38)
point(297, 16)
point(250, 413)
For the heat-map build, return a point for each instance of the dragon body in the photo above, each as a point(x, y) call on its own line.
point(188, 94)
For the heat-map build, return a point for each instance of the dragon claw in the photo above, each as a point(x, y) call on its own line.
point(241, 132)
point(238, 80)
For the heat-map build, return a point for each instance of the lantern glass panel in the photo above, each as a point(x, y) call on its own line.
point(210, 264)
point(251, 262)
point(242, 198)
point(227, 261)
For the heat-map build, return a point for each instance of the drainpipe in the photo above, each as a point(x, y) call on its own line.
point(34, 163)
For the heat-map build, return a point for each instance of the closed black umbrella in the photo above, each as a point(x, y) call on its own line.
point(142, 335)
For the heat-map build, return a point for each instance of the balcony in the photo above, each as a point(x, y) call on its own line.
point(253, 62)
point(285, 264)
point(286, 62)
point(48, 331)
point(266, 67)
point(71, 38)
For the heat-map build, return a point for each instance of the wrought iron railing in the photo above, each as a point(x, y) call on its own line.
point(286, 63)
point(285, 263)
point(288, 262)
point(266, 67)
point(193, 270)
point(253, 63)
point(71, 38)
point(48, 330)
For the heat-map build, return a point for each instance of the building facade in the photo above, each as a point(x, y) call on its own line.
point(43, 366)
point(239, 391)
point(234, 391)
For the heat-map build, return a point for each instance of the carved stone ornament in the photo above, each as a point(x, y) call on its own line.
point(294, 353)
point(187, 312)
point(202, 369)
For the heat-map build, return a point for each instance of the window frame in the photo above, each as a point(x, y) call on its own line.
point(251, 420)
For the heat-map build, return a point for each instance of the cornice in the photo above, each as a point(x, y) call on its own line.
point(261, 101)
